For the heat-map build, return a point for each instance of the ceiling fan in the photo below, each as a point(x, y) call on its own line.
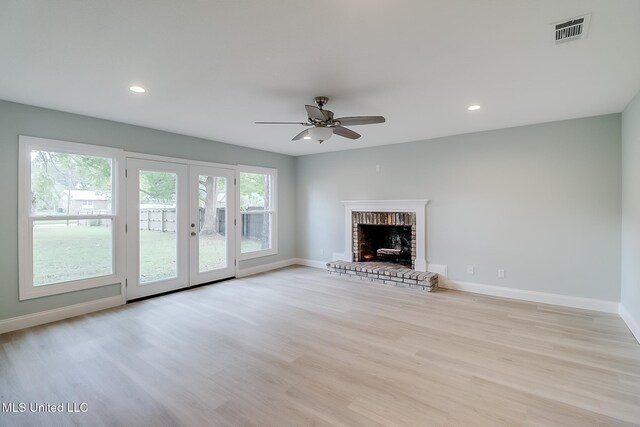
point(323, 125)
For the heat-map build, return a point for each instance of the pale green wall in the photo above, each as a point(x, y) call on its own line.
point(630, 292)
point(17, 119)
point(542, 202)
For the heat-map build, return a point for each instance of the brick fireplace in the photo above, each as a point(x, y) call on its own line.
point(384, 237)
point(385, 242)
point(399, 217)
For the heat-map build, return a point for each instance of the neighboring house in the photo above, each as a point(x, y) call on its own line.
point(84, 200)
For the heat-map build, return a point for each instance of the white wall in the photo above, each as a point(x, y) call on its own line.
point(542, 202)
point(630, 291)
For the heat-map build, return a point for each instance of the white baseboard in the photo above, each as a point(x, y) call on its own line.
point(244, 272)
point(340, 256)
point(311, 263)
point(35, 319)
point(533, 296)
point(439, 269)
point(632, 324)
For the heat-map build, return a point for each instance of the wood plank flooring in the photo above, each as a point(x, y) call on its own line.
point(298, 347)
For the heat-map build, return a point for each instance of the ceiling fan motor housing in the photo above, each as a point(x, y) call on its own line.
point(321, 101)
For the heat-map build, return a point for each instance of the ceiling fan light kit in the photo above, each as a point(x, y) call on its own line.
point(323, 125)
point(320, 134)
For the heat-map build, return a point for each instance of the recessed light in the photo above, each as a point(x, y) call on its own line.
point(137, 89)
point(473, 107)
point(306, 137)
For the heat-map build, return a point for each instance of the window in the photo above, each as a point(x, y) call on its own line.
point(257, 203)
point(66, 244)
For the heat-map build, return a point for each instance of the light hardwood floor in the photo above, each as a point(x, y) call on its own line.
point(297, 347)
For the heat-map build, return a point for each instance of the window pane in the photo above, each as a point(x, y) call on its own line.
point(158, 219)
point(255, 192)
point(212, 239)
point(255, 232)
point(70, 184)
point(71, 250)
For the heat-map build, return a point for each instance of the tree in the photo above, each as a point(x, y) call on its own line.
point(252, 190)
point(255, 195)
point(266, 221)
point(158, 187)
point(211, 187)
point(54, 173)
point(45, 195)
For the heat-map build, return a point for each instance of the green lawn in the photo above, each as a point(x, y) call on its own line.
point(158, 254)
point(62, 253)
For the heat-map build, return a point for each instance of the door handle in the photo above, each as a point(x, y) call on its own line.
point(193, 233)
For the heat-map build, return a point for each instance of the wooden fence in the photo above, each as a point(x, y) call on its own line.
point(164, 220)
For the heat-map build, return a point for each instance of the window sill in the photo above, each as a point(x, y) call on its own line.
point(30, 292)
point(257, 254)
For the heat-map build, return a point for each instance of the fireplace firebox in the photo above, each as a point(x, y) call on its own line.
point(384, 236)
point(389, 243)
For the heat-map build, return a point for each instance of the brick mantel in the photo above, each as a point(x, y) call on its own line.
point(419, 207)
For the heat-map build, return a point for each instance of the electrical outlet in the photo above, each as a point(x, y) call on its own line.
point(321, 252)
point(500, 274)
point(377, 168)
point(470, 269)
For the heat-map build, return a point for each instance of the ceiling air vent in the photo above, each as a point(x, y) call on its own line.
point(572, 29)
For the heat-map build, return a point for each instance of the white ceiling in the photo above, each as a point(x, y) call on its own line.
point(212, 68)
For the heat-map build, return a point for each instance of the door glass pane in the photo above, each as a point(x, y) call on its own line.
point(158, 219)
point(65, 250)
point(212, 212)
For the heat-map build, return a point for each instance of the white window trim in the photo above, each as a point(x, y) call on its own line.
point(274, 213)
point(25, 240)
point(182, 161)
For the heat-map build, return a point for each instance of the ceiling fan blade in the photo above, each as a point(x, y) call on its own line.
point(281, 123)
point(315, 113)
point(360, 120)
point(347, 133)
point(327, 114)
point(301, 135)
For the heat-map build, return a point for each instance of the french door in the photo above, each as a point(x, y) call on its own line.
point(179, 226)
point(211, 227)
